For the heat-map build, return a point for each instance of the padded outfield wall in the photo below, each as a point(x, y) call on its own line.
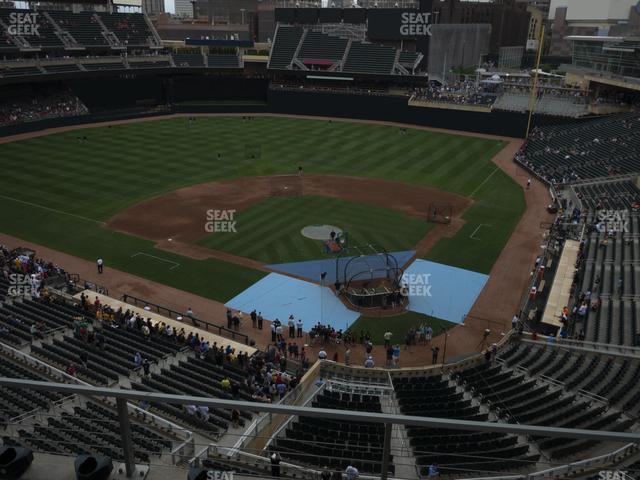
point(117, 97)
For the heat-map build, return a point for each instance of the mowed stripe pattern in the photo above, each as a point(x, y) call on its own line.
point(125, 164)
point(270, 231)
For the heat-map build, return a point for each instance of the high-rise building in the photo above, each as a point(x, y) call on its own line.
point(152, 7)
point(183, 8)
point(585, 17)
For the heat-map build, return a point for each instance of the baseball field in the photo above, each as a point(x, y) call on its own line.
point(68, 191)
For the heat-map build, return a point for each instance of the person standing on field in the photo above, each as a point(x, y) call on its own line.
point(100, 264)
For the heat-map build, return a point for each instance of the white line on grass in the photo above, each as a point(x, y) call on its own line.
point(472, 236)
point(484, 181)
point(175, 264)
point(51, 209)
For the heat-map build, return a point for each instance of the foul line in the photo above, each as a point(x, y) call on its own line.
point(51, 209)
point(484, 181)
point(175, 264)
point(472, 236)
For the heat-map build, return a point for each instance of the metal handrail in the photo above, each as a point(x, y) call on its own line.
point(196, 321)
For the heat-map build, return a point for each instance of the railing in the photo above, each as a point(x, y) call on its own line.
point(66, 378)
point(593, 397)
point(583, 465)
point(595, 347)
point(167, 312)
point(291, 398)
point(83, 284)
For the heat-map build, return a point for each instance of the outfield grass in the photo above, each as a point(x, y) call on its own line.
point(270, 231)
point(398, 326)
point(56, 190)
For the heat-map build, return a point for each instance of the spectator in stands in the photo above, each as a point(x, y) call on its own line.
point(39, 105)
point(433, 470)
point(203, 413)
point(275, 464)
point(322, 354)
point(137, 360)
point(35, 332)
point(72, 369)
point(351, 472)
point(84, 358)
point(235, 417)
point(146, 367)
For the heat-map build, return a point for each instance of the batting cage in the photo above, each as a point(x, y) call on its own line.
point(369, 277)
point(286, 186)
point(440, 213)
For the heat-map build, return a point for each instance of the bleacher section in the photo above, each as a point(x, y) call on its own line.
point(284, 46)
point(150, 64)
point(19, 71)
point(93, 429)
point(130, 28)
point(83, 27)
point(223, 61)
point(369, 58)
point(593, 149)
point(545, 104)
point(16, 402)
point(518, 398)
point(620, 195)
point(80, 30)
point(188, 60)
point(611, 272)
point(319, 47)
point(64, 68)
point(104, 66)
point(301, 48)
point(615, 379)
point(341, 444)
point(455, 451)
point(43, 37)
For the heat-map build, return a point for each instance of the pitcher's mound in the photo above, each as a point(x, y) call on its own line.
point(319, 232)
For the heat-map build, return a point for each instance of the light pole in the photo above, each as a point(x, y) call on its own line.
point(242, 10)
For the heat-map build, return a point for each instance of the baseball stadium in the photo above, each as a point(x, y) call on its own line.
point(319, 240)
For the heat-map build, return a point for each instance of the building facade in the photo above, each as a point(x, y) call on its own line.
point(509, 19)
point(587, 18)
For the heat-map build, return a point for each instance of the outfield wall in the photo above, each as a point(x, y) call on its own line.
point(120, 98)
